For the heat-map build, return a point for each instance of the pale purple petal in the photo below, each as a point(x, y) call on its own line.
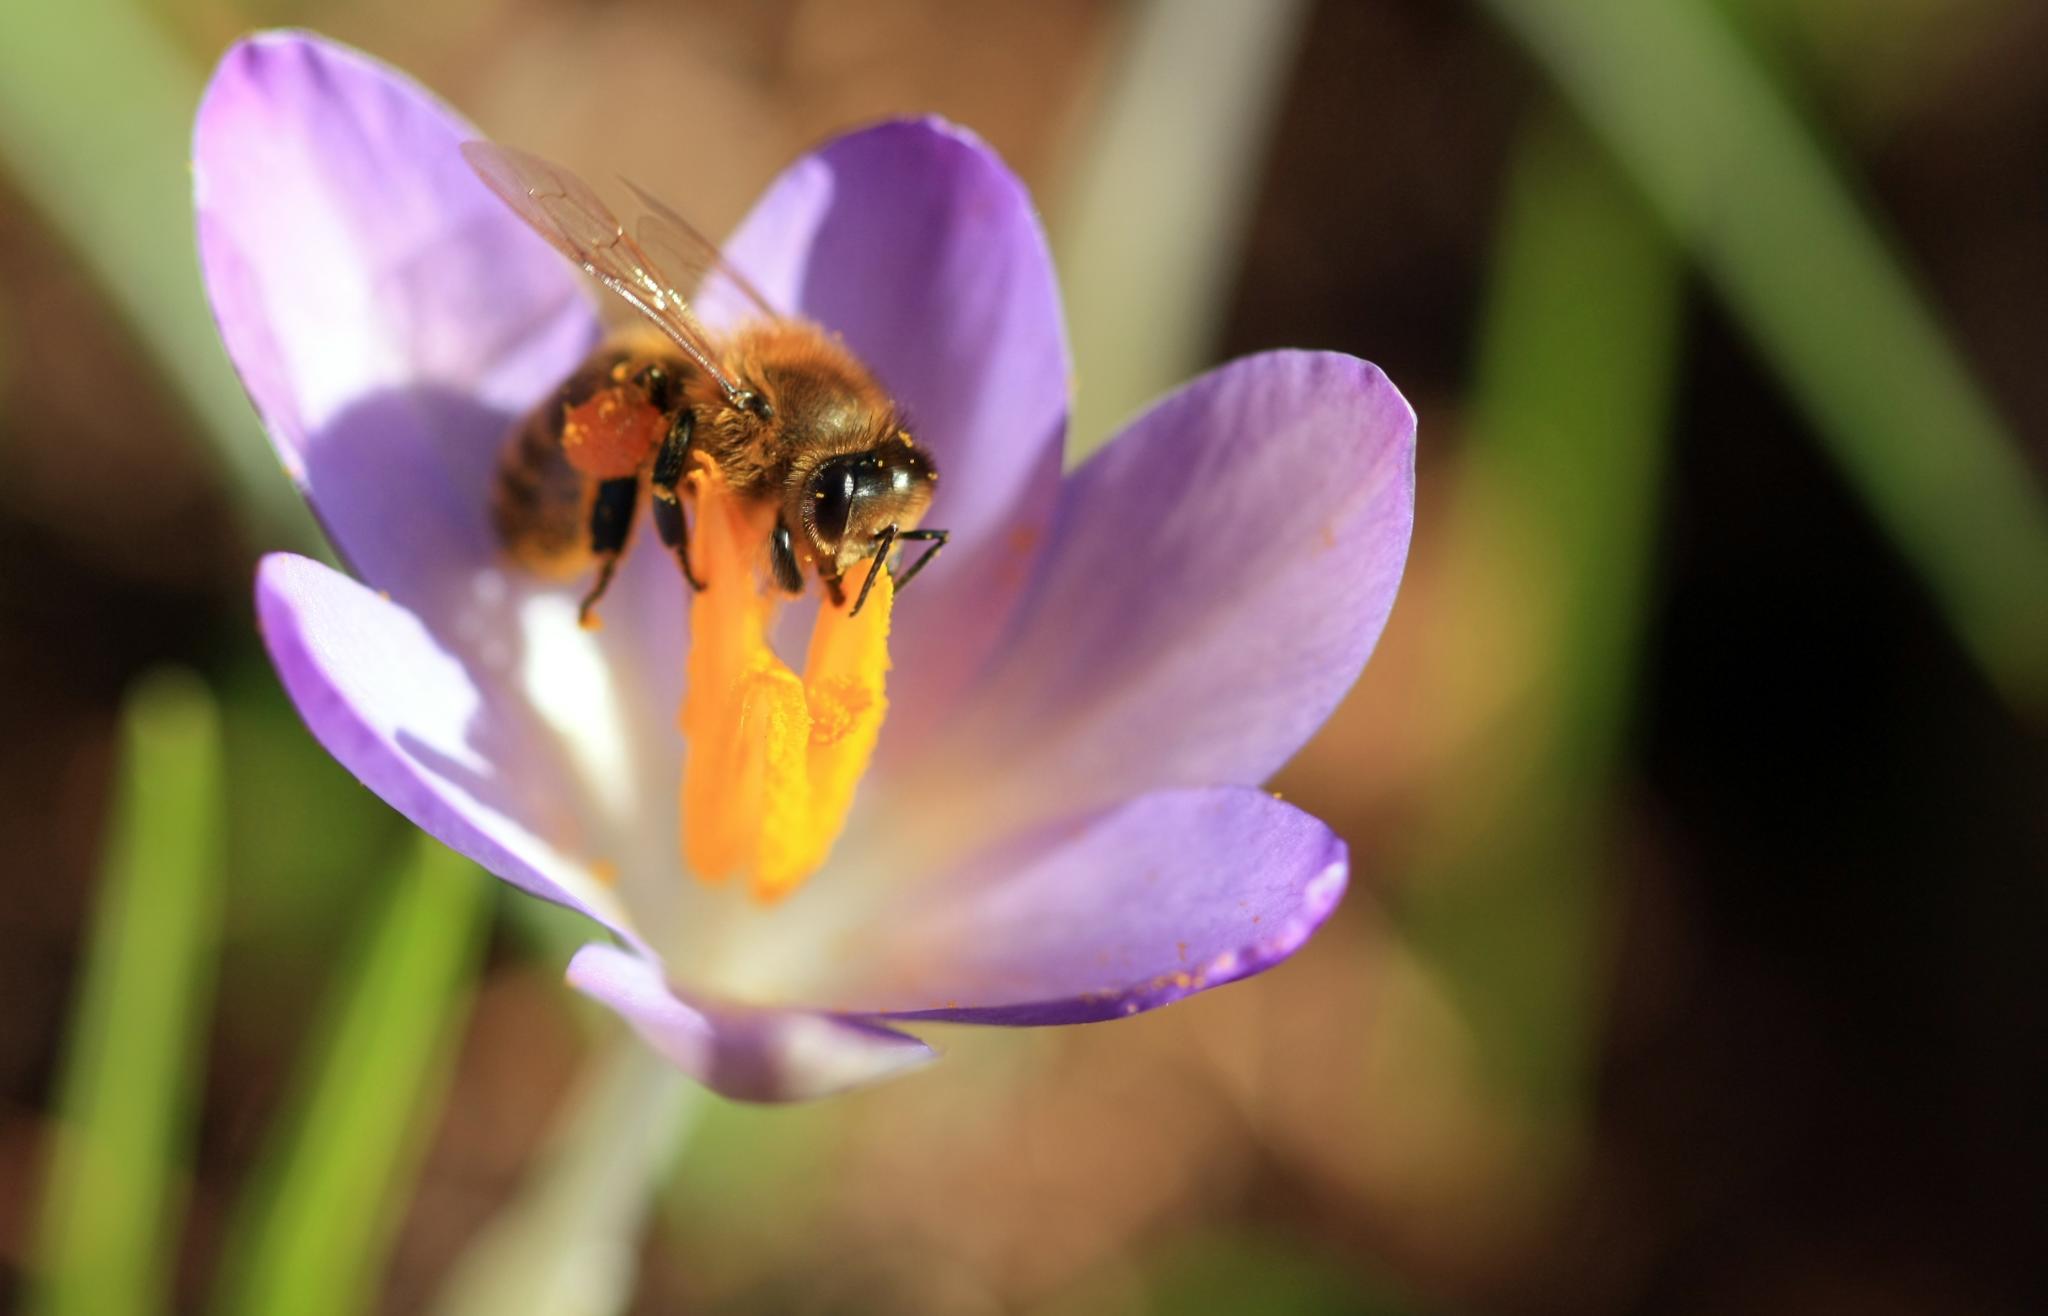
point(748, 1053)
point(388, 315)
point(918, 245)
point(1128, 910)
point(390, 318)
point(433, 736)
point(1217, 577)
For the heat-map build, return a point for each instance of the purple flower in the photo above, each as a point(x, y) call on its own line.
point(1062, 823)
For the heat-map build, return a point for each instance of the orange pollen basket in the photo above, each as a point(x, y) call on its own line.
point(772, 760)
point(610, 434)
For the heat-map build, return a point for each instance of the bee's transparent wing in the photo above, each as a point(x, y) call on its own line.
point(688, 254)
point(563, 209)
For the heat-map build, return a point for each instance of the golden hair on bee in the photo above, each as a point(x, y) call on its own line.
point(791, 419)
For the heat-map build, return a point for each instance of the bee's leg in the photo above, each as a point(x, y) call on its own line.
point(782, 557)
point(611, 521)
point(672, 458)
point(658, 384)
point(834, 590)
point(886, 539)
point(674, 529)
point(671, 463)
point(937, 539)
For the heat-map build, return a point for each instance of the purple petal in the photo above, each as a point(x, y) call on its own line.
point(388, 315)
point(1216, 579)
point(1134, 908)
point(431, 735)
point(747, 1053)
point(919, 246)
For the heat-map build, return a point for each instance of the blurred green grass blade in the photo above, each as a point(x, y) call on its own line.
point(125, 1096)
point(286, 897)
point(96, 110)
point(1554, 523)
point(1572, 399)
point(312, 1232)
point(1819, 286)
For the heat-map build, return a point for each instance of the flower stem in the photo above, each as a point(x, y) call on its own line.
point(568, 1244)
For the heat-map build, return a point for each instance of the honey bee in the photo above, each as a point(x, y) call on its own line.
point(789, 417)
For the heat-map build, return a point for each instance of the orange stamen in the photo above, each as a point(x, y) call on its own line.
point(772, 762)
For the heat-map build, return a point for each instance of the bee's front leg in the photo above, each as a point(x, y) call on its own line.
point(888, 540)
point(936, 538)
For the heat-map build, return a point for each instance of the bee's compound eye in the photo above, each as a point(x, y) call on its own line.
point(833, 486)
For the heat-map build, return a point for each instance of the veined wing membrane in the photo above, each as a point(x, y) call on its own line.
point(563, 209)
point(688, 254)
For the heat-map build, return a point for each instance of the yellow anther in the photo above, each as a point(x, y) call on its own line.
point(772, 762)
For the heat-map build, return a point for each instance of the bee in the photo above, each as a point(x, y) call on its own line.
point(788, 416)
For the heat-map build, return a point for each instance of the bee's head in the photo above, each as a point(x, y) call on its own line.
point(848, 500)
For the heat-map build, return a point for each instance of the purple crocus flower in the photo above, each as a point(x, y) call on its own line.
point(1063, 821)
